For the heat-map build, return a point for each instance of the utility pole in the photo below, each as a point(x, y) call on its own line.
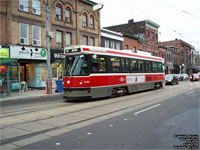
point(48, 37)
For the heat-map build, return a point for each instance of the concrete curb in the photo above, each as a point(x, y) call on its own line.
point(30, 99)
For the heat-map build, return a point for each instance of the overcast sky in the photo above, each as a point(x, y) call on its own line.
point(177, 18)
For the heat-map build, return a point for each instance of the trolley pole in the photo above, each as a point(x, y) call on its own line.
point(48, 49)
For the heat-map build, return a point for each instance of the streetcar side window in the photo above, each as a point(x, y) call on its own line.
point(115, 64)
point(133, 65)
point(154, 66)
point(125, 65)
point(160, 68)
point(148, 66)
point(98, 64)
point(141, 66)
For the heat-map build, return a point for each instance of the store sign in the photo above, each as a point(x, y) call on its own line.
point(28, 53)
point(4, 52)
point(57, 55)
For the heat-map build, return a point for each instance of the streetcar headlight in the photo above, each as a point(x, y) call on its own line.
point(68, 82)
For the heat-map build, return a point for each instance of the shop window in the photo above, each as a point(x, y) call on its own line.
point(54, 70)
point(24, 33)
point(23, 5)
point(36, 7)
point(36, 35)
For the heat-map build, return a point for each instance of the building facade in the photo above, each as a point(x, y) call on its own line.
point(182, 53)
point(146, 31)
point(23, 32)
point(110, 39)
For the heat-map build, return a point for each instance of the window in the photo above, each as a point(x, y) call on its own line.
point(24, 33)
point(91, 22)
point(77, 65)
point(115, 64)
point(154, 66)
point(36, 7)
point(68, 38)
point(107, 44)
point(147, 34)
point(112, 44)
point(85, 40)
point(68, 14)
point(36, 35)
point(118, 45)
point(133, 65)
point(148, 66)
point(125, 65)
point(141, 66)
point(59, 39)
point(160, 68)
point(58, 12)
point(126, 46)
point(98, 63)
point(152, 35)
point(92, 41)
point(84, 20)
point(23, 5)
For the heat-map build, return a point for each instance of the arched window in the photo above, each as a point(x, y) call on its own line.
point(68, 14)
point(92, 22)
point(85, 20)
point(58, 12)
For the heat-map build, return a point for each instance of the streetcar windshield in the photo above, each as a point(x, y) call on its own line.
point(76, 65)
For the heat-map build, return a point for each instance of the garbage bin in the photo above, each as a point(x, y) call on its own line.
point(59, 86)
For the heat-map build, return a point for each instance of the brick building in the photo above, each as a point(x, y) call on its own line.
point(182, 52)
point(146, 31)
point(23, 32)
point(132, 42)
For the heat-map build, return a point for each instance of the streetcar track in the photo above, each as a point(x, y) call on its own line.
point(9, 140)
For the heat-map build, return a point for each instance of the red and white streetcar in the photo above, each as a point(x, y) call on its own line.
point(94, 72)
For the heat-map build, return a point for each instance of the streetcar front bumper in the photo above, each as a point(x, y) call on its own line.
point(77, 93)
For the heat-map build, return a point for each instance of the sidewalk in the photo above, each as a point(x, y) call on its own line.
point(28, 95)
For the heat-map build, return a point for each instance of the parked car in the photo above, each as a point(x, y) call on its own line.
point(184, 77)
point(171, 79)
point(194, 77)
point(178, 76)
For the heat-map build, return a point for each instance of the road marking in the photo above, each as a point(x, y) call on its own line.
point(190, 92)
point(147, 109)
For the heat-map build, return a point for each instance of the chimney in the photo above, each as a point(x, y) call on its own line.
point(131, 21)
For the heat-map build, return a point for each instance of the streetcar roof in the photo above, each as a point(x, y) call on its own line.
point(78, 49)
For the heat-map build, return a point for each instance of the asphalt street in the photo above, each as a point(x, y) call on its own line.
point(153, 127)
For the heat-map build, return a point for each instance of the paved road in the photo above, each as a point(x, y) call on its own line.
point(154, 127)
point(142, 120)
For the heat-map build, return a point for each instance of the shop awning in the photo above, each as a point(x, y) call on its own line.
point(8, 61)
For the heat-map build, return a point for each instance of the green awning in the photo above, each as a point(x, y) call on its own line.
point(8, 61)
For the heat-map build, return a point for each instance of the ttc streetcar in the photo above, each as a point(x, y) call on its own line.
point(95, 72)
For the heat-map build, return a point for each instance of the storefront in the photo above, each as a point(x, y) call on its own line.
point(169, 68)
point(32, 65)
point(9, 73)
point(57, 63)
